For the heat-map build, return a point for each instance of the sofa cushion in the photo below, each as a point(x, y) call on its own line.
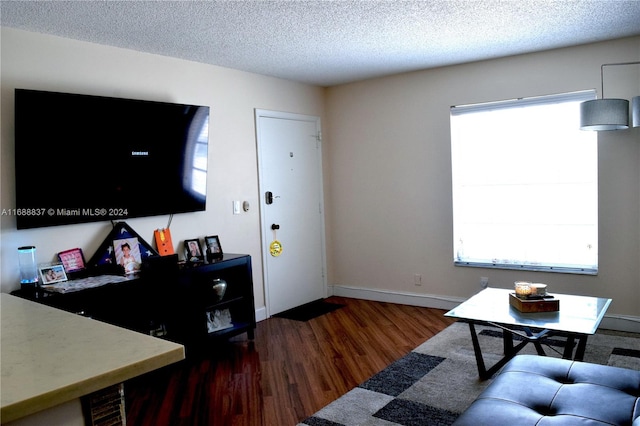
point(536, 390)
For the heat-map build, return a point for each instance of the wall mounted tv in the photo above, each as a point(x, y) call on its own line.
point(82, 158)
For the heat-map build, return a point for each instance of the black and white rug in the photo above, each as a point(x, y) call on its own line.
point(438, 380)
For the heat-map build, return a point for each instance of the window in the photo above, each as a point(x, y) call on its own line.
point(525, 185)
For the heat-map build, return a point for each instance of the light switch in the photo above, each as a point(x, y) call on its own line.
point(236, 207)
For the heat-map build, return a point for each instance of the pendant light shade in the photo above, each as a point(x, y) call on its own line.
point(604, 114)
point(609, 113)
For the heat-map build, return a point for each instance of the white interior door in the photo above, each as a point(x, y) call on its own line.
point(290, 168)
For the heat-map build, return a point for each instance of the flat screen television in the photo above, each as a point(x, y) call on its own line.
point(82, 158)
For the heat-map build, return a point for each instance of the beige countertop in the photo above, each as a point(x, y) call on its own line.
point(49, 356)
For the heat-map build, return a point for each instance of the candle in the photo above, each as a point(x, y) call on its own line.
point(539, 289)
point(523, 288)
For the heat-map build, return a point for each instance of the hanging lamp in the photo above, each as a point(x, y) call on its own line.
point(609, 113)
point(635, 111)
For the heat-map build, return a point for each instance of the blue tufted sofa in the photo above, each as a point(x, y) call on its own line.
point(544, 391)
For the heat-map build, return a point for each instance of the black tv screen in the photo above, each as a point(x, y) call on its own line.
point(82, 158)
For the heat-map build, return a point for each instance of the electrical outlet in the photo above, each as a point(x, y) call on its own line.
point(484, 282)
point(417, 279)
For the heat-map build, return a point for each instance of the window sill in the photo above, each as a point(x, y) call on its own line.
point(553, 269)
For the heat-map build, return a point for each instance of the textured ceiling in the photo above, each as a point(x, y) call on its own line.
point(330, 42)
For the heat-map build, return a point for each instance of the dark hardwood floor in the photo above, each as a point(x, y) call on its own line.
point(290, 371)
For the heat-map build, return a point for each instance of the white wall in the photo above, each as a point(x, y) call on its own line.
point(387, 162)
point(390, 181)
point(43, 62)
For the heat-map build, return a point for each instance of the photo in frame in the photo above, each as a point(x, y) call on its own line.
point(105, 256)
point(193, 251)
point(52, 273)
point(127, 253)
point(213, 247)
point(72, 260)
point(218, 320)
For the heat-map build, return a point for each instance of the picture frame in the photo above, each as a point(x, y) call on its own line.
point(52, 273)
point(127, 254)
point(193, 251)
point(218, 320)
point(213, 247)
point(105, 256)
point(72, 260)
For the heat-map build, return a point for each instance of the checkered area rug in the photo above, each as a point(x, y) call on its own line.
point(438, 380)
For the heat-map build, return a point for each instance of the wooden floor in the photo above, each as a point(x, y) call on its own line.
point(290, 371)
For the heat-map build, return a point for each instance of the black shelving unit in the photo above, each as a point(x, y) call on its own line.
point(169, 300)
point(201, 301)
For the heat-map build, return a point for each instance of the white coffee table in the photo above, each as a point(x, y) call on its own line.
point(577, 318)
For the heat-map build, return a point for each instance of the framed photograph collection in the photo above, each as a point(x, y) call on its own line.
point(125, 250)
point(195, 253)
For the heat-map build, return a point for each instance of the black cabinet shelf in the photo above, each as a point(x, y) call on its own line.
point(235, 329)
point(168, 300)
point(225, 303)
point(196, 283)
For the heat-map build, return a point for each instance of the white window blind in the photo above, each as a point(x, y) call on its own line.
point(525, 185)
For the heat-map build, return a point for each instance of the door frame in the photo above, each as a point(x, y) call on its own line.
point(265, 234)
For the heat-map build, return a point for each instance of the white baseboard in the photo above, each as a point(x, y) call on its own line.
point(610, 322)
point(261, 314)
point(621, 323)
point(413, 299)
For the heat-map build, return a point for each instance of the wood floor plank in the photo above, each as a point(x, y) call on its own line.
point(290, 371)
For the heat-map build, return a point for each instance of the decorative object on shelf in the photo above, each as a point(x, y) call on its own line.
point(72, 260)
point(218, 320)
point(163, 241)
point(214, 248)
point(121, 232)
point(52, 273)
point(27, 264)
point(127, 253)
point(609, 113)
point(219, 287)
point(193, 251)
